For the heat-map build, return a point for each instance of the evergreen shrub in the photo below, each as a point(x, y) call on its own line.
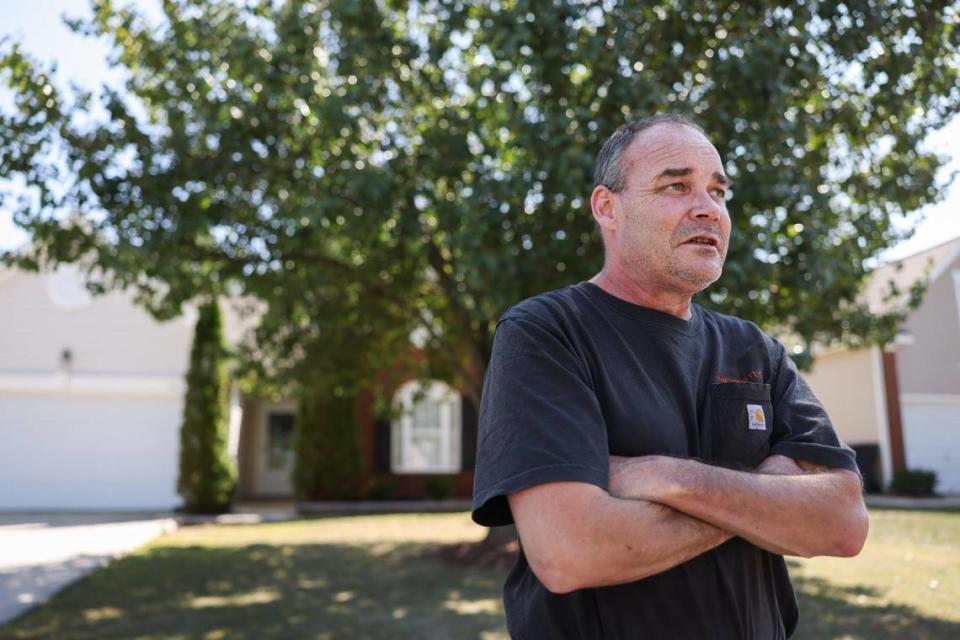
point(207, 475)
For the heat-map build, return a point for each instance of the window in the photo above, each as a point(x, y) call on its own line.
point(425, 438)
point(279, 440)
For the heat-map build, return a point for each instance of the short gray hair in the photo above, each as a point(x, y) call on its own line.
point(610, 171)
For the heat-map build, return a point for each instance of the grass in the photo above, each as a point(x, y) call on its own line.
point(905, 583)
point(379, 577)
point(345, 577)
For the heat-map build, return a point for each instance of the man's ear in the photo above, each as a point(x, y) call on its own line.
point(601, 204)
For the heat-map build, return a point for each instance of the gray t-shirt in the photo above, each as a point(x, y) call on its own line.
point(577, 375)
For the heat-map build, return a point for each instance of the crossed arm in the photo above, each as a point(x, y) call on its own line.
point(660, 512)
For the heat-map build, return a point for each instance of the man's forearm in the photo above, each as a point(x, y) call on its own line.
point(606, 540)
point(637, 538)
point(805, 514)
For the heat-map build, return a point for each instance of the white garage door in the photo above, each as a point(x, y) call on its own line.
point(931, 433)
point(62, 451)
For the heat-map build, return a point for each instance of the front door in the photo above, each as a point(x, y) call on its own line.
point(276, 452)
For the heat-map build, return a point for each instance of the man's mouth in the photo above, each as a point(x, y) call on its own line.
point(705, 239)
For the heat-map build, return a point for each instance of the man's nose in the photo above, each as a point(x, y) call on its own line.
point(706, 208)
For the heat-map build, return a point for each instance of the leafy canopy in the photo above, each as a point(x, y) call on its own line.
point(373, 168)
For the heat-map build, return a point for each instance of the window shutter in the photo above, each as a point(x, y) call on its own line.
point(468, 434)
point(381, 445)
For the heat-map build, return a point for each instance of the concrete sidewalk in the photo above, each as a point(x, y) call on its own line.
point(905, 502)
point(382, 506)
point(40, 554)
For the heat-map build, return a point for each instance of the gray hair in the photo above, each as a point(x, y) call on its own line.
point(610, 171)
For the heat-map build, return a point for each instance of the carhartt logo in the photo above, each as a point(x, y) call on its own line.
point(755, 417)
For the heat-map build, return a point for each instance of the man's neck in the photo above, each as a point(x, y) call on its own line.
point(617, 283)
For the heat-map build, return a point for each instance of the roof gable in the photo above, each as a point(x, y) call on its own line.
point(926, 266)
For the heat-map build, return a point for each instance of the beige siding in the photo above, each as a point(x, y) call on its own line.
point(103, 432)
point(109, 336)
point(931, 365)
point(845, 383)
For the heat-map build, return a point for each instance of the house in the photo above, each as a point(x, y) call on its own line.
point(91, 393)
point(899, 406)
point(91, 399)
point(434, 436)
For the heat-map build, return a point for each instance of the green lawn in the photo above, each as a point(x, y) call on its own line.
point(905, 584)
point(379, 577)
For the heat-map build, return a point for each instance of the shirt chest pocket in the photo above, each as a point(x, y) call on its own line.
point(739, 424)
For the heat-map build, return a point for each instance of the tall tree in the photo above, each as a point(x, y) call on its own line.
point(420, 166)
point(207, 475)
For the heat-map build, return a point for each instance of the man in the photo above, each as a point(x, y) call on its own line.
point(657, 458)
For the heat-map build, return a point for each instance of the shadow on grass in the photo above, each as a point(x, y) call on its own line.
point(859, 613)
point(376, 591)
point(275, 591)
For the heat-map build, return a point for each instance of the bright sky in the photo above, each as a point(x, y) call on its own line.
point(38, 26)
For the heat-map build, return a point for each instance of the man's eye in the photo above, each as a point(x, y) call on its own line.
point(676, 186)
point(720, 194)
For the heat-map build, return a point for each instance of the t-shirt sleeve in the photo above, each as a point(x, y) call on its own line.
point(803, 428)
point(540, 420)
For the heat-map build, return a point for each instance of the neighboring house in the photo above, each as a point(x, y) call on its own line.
point(899, 407)
point(91, 397)
point(435, 435)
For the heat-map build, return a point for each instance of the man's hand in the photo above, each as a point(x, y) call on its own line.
point(785, 506)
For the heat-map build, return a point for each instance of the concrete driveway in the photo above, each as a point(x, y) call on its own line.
point(40, 554)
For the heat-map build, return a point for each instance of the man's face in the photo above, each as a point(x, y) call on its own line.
point(672, 228)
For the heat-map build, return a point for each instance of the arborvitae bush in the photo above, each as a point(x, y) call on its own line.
point(326, 446)
point(207, 474)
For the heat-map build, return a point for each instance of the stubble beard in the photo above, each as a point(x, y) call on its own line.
point(680, 277)
point(698, 279)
